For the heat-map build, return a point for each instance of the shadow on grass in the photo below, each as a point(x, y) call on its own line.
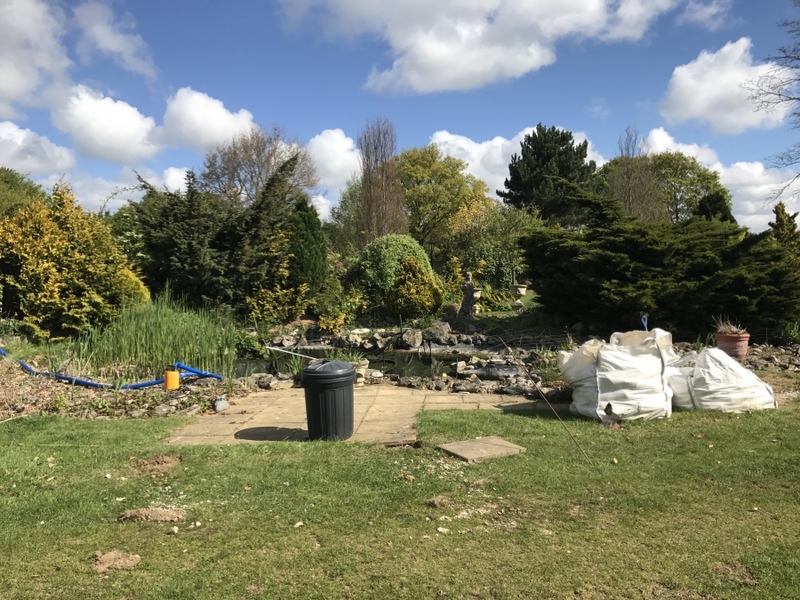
point(272, 434)
point(540, 410)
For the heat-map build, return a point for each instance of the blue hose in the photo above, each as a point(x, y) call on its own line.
point(190, 372)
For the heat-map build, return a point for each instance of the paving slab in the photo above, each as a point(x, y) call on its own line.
point(482, 448)
point(384, 414)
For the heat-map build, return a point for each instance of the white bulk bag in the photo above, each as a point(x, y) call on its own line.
point(621, 380)
point(720, 383)
point(580, 371)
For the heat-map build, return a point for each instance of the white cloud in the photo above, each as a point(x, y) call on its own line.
point(752, 185)
point(29, 153)
point(489, 160)
point(659, 140)
point(633, 17)
point(461, 45)
point(174, 179)
point(323, 206)
point(100, 31)
point(336, 158)
point(710, 89)
point(105, 128)
point(31, 54)
point(98, 193)
point(711, 15)
point(201, 122)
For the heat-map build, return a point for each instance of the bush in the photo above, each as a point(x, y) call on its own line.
point(381, 260)
point(62, 271)
point(414, 293)
point(679, 274)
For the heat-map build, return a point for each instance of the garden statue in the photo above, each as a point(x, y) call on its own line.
point(471, 294)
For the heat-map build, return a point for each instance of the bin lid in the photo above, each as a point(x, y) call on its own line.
point(328, 369)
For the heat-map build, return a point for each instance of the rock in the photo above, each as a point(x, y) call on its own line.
point(440, 333)
point(361, 331)
point(411, 338)
point(353, 339)
point(287, 341)
point(263, 380)
point(138, 413)
point(206, 381)
point(459, 366)
point(163, 410)
point(281, 384)
point(191, 411)
point(440, 385)
point(379, 341)
point(466, 386)
point(221, 404)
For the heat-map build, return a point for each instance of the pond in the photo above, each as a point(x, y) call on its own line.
point(403, 364)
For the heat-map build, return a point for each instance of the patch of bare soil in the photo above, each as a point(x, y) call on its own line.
point(159, 464)
point(786, 388)
point(114, 560)
point(736, 572)
point(157, 515)
point(22, 394)
point(661, 592)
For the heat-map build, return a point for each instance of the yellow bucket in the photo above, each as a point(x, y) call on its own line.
point(172, 379)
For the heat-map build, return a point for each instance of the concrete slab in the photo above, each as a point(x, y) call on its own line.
point(384, 414)
point(482, 448)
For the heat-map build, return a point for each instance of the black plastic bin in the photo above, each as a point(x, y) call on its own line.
point(329, 400)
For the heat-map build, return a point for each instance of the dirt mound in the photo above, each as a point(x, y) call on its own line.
point(114, 560)
point(158, 515)
point(159, 464)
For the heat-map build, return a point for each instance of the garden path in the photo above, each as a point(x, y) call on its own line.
point(385, 414)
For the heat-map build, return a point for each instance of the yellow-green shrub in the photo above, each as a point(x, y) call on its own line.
point(64, 268)
point(414, 292)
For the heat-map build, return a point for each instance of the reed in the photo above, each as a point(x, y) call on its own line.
point(146, 338)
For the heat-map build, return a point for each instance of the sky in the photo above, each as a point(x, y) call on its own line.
point(93, 92)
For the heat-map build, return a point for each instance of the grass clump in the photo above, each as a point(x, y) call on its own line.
point(146, 338)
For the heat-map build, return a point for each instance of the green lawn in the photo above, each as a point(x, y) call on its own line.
point(698, 507)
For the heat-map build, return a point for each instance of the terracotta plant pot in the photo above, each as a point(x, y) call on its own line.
point(733, 344)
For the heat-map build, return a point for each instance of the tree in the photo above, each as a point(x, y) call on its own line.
point(62, 272)
point(178, 232)
point(684, 183)
point(17, 191)
point(414, 292)
point(239, 170)
point(716, 205)
point(680, 274)
point(381, 260)
point(214, 253)
point(545, 173)
point(341, 228)
point(381, 209)
point(308, 248)
point(631, 180)
point(435, 188)
point(777, 89)
point(496, 253)
point(784, 229)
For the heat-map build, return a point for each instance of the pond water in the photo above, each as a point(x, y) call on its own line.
point(404, 364)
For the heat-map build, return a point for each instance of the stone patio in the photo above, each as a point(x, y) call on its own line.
point(384, 414)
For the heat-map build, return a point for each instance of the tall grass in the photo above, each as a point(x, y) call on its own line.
point(146, 338)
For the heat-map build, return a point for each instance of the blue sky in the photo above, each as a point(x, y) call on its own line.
point(92, 90)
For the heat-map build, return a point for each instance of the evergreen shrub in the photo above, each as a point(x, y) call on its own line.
point(381, 260)
point(414, 293)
